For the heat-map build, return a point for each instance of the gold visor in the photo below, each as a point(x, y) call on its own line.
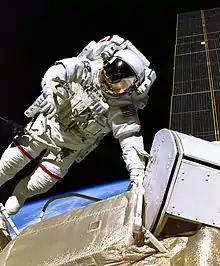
point(116, 88)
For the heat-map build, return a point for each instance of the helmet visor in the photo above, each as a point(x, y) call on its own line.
point(117, 77)
point(118, 70)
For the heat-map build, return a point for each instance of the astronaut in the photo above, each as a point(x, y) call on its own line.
point(83, 98)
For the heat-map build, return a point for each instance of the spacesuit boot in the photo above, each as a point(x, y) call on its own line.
point(16, 201)
point(36, 183)
point(14, 204)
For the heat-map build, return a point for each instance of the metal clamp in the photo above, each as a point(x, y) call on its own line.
point(154, 241)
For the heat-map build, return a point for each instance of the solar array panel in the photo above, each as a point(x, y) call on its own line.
point(195, 101)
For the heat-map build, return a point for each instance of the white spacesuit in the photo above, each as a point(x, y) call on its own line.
point(83, 99)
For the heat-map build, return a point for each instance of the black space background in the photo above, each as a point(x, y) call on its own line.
point(35, 34)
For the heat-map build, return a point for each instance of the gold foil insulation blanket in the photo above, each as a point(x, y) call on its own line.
point(202, 249)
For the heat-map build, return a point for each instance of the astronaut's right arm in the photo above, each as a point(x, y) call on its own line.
point(53, 94)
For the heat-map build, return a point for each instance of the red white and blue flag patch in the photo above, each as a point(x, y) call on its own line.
point(128, 110)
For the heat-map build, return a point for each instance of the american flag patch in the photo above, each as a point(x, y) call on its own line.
point(128, 110)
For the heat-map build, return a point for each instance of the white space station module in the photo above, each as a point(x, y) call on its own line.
point(164, 221)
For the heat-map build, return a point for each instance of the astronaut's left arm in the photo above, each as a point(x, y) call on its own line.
point(126, 127)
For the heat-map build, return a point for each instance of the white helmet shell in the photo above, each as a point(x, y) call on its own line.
point(133, 61)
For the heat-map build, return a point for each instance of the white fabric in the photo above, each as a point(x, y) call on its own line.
point(99, 108)
point(13, 160)
point(133, 61)
point(13, 205)
point(48, 106)
point(133, 153)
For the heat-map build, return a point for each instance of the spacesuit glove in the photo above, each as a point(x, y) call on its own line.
point(136, 178)
point(48, 106)
point(99, 108)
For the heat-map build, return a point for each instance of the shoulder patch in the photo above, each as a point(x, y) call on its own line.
point(87, 65)
point(128, 110)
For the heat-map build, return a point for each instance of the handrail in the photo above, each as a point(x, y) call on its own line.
point(64, 196)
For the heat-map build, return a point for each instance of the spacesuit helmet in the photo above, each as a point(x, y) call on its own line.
point(122, 73)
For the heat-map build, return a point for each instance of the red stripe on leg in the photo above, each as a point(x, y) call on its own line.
point(24, 152)
point(48, 172)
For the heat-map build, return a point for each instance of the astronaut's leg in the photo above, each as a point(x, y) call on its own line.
point(20, 152)
point(46, 175)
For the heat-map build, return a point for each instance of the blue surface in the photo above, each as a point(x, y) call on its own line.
point(30, 213)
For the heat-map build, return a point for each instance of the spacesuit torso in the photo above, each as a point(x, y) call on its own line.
point(80, 129)
point(75, 114)
point(75, 126)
